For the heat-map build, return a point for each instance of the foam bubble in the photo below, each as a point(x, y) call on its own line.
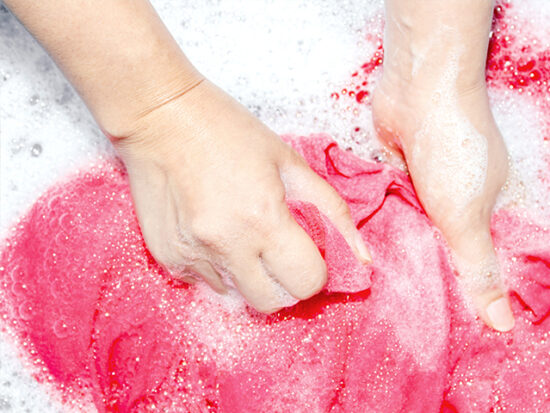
point(281, 59)
point(523, 134)
point(461, 164)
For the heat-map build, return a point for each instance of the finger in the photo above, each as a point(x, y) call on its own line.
point(205, 270)
point(259, 290)
point(294, 260)
point(480, 275)
point(304, 184)
point(187, 279)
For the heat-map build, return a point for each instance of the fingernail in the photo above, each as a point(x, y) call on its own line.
point(362, 249)
point(500, 315)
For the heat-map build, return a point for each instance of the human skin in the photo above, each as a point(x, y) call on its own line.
point(431, 106)
point(208, 179)
point(177, 133)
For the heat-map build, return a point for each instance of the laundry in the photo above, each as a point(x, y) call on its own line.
point(103, 322)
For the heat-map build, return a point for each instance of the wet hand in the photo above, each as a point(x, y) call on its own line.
point(209, 183)
point(458, 163)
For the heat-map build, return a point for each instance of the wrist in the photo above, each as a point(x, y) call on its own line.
point(119, 110)
point(428, 45)
point(118, 55)
point(168, 120)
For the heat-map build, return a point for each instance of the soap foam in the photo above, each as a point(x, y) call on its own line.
point(461, 164)
point(290, 94)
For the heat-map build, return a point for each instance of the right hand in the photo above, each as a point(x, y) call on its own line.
point(209, 183)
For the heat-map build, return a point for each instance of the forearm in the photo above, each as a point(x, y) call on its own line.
point(117, 54)
point(423, 37)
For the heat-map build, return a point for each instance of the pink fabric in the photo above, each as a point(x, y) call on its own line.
point(80, 289)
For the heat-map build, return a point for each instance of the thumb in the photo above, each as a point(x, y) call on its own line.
point(304, 184)
point(480, 276)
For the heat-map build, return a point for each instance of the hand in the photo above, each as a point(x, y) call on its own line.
point(432, 106)
point(457, 170)
point(209, 183)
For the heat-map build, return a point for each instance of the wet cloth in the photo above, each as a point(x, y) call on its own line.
point(107, 324)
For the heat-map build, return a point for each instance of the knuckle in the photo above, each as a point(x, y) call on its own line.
point(264, 216)
point(158, 255)
point(158, 250)
point(206, 230)
point(164, 256)
point(253, 219)
point(312, 283)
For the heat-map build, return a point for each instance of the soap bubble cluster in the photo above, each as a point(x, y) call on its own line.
point(301, 66)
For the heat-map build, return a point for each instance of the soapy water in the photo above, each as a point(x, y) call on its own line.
point(292, 101)
point(104, 326)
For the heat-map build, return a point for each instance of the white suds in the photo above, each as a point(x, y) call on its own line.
point(461, 164)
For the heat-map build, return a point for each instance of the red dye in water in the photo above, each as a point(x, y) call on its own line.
point(361, 80)
point(82, 293)
point(515, 59)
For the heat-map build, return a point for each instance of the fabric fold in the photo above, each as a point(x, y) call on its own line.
point(80, 289)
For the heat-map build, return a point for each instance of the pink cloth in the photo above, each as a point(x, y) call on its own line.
point(80, 289)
